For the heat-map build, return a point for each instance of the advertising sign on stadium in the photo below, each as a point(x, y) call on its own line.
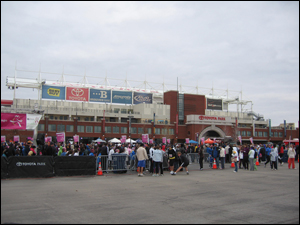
point(214, 104)
point(123, 97)
point(97, 95)
point(77, 94)
point(142, 97)
point(53, 92)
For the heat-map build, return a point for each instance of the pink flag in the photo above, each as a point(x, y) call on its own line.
point(164, 140)
point(251, 140)
point(187, 140)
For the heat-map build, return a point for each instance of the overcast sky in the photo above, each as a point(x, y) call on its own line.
point(248, 46)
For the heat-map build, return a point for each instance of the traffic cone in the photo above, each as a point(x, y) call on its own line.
point(232, 165)
point(100, 170)
point(257, 162)
point(215, 165)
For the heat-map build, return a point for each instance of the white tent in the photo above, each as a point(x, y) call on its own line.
point(98, 140)
point(115, 140)
point(130, 141)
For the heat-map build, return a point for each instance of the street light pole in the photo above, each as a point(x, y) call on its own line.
point(130, 116)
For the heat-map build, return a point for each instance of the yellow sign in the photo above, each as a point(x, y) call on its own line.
point(53, 92)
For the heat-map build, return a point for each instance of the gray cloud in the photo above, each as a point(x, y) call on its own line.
point(248, 46)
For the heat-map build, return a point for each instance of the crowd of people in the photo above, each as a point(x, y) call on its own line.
point(173, 157)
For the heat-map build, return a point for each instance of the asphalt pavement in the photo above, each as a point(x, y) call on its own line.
point(209, 196)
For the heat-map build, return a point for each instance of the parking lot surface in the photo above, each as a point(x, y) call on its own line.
point(209, 196)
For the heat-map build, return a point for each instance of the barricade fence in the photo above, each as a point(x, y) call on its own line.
point(49, 166)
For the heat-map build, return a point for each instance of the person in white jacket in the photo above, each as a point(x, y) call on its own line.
point(251, 158)
point(274, 155)
point(222, 157)
point(235, 156)
point(157, 158)
point(291, 154)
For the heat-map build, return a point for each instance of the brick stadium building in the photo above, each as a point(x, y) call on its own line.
point(105, 113)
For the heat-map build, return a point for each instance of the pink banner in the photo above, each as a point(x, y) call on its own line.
point(76, 138)
point(13, 121)
point(151, 141)
point(164, 140)
point(187, 140)
point(168, 141)
point(123, 139)
point(60, 137)
point(145, 138)
point(48, 139)
point(3, 138)
point(17, 138)
point(202, 140)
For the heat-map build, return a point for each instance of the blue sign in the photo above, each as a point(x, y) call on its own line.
point(122, 97)
point(53, 92)
point(97, 95)
point(142, 97)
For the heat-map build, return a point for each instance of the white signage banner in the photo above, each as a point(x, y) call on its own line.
point(32, 121)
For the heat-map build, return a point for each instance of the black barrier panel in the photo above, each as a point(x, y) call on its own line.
point(30, 166)
point(3, 167)
point(74, 165)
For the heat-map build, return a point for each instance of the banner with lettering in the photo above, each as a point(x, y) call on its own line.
point(60, 137)
point(164, 140)
point(77, 94)
point(13, 121)
point(142, 97)
point(48, 139)
point(19, 121)
point(17, 138)
point(145, 138)
point(187, 140)
point(168, 141)
point(3, 138)
point(123, 138)
point(151, 141)
point(97, 95)
point(32, 121)
point(53, 92)
point(76, 138)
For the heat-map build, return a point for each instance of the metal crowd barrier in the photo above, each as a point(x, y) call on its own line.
point(121, 163)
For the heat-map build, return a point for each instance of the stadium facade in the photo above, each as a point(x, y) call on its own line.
point(103, 111)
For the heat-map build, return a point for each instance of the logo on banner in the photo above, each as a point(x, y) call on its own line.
point(53, 92)
point(77, 92)
point(30, 164)
point(16, 120)
point(140, 98)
